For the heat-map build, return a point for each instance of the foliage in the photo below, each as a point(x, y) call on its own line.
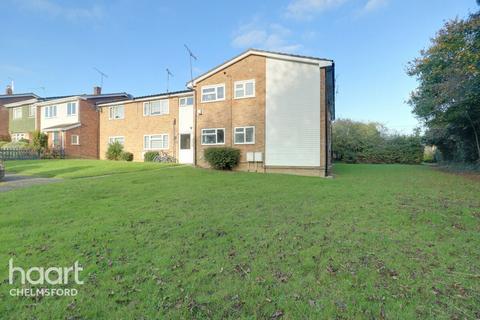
point(6, 138)
point(2, 143)
point(183, 243)
point(150, 156)
point(16, 145)
point(448, 97)
point(358, 142)
point(224, 158)
point(127, 156)
point(39, 141)
point(114, 151)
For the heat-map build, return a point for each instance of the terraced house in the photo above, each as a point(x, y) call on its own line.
point(72, 123)
point(276, 108)
point(7, 98)
point(161, 122)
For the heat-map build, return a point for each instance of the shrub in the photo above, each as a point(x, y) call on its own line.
point(222, 158)
point(114, 151)
point(16, 145)
point(39, 141)
point(127, 156)
point(150, 156)
point(2, 143)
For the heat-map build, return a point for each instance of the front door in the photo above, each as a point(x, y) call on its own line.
point(185, 127)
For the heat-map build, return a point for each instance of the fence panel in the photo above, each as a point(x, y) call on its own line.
point(19, 154)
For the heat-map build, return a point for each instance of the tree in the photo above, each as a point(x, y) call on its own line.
point(39, 141)
point(447, 99)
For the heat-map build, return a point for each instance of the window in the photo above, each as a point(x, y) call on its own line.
point(156, 108)
point(213, 136)
point(185, 141)
point(71, 109)
point(245, 135)
point(187, 101)
point(116, 112)
point(116, 139)
point(31, 111)
point(17, 113)
point(244, 89)
point(50, 112)
point(18, 136)
point(155, 142)
point(75, 140)
point(213, 93)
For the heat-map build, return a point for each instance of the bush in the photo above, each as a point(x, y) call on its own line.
point(114, 151)
point(222, 158)
point(150, 156)
point(39, 141)
point(16, 145)
point(127, 156)
point(2, 143)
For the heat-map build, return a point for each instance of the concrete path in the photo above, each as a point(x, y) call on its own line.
point(13, 181)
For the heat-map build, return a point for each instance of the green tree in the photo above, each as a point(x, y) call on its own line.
point(448, 96)
point(39, 141)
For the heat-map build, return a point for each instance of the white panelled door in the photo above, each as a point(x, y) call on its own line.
point(185, 127)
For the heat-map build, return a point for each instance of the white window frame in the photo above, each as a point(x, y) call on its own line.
point(216, 87)
point(69, 109)
point(162, 135)
point(114, 109)
point(113, 139)
point(216, 136)
point(244, 135)
point(18, 136)
point(30, 113)
point(183, 102)
point(147, 108)
point(49, 112)
point(17, 113)
point(243, 85)
point(77, 140)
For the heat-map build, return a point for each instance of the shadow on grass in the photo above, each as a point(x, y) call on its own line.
point(60, 172)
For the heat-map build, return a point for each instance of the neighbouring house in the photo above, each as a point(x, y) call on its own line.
point(7, 98)
point(72, 123)
point(160, 122)
point(276, 108)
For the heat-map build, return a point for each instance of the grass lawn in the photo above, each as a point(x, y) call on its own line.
point(378, 241)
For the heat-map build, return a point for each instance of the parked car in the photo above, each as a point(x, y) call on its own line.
point(2, 170)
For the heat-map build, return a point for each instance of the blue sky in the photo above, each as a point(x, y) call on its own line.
point(55, 44)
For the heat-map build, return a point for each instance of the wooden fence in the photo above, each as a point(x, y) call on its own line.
point(28, 154)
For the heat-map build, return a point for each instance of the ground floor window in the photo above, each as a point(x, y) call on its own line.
point(119, 139)
point(213, 136)
point(156, 141)
point(75, 140)
point(18, 136)
point(245, 135)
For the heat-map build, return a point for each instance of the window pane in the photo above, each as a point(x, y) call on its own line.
point(239, 137)
point(208, 139)
point(156, 142)
point(220, 136)
point(220, 92)
point(185, 141)
point(239, 93)
point(249, 89)
point(146, 143)
point(208, 131)
point(249, 135)
point(155, 107)
point(146, 108)
point(190, 101)
point(165, 141)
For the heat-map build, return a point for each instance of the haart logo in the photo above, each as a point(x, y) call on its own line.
point(41, 276)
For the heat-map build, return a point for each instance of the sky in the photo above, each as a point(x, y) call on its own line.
point(51, 47)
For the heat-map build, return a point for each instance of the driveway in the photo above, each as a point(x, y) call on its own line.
point(15, 181)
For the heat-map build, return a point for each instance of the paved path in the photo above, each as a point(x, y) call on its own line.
point(13, 181)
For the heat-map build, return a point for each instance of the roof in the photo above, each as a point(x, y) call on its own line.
point(83, 97)
point(64, 126)
point(18, 95)
point(148, 97)
point(31, 101)
point(271, 54)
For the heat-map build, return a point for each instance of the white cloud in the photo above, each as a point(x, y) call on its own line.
point(271, 36)
point(372, 5)
point(54, 9)
point(305, 9)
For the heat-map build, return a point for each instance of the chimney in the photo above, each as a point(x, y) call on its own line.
point(97, 91)
point(9, 90)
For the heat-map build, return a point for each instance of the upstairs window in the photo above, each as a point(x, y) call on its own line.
point(17, 113)
point(156, 108)
point(245, 135)
point(213, 93)
point(244, 89)
point(156, 142)
point(50, 112)
point(71, 109)
point(213, 136)
point(31, 111)
point(116, 112)
point(186, 101)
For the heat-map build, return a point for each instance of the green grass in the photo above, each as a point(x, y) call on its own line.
point(378, 241)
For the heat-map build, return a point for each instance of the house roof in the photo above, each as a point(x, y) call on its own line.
point(64, 126)
point(18, 95)
point(31, 101)
point(271, 54)
point(148, 97)
point(83, 97)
